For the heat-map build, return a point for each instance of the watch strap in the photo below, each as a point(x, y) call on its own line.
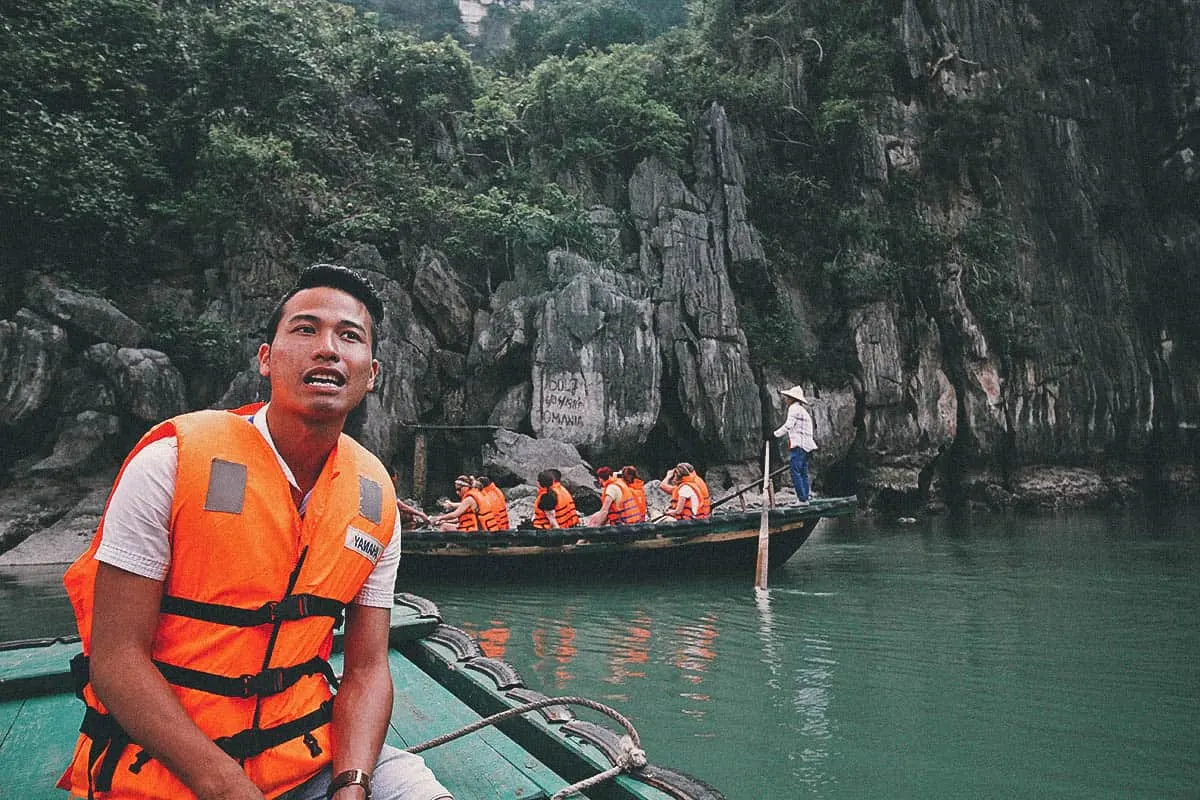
point(350, 777)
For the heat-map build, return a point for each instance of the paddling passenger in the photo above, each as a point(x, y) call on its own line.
point(554, 506)
point(463, 515)
point(798, 427)
point(207, 601)
point(689, 493)
point(617, 503)
point(409, 515)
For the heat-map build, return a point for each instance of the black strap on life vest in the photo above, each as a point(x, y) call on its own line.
point(252, 741)
point(109, 741)
point(263, 684)
point(292, 607)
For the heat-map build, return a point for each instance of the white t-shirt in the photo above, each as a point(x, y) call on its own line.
point(136, 524)
point(688, 496)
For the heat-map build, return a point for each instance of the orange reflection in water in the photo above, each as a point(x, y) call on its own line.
point(696, 649)
point(560, 648)
point(493, 641)
point(631, 651)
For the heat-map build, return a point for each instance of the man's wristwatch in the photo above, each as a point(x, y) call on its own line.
point(350, 777)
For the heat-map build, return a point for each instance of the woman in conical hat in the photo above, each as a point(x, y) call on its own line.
point(798, 427)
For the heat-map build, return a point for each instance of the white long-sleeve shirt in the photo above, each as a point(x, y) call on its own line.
point(799, 428)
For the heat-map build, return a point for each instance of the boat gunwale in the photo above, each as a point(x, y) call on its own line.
point(428, 541)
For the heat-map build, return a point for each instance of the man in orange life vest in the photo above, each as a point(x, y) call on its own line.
point(554, 506)
point(230, 545)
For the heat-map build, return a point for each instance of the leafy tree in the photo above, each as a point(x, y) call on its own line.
point(599, 109)
point(571, 27)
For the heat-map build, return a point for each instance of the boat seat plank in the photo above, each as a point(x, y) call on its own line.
point(485, 763)
point(38, 734)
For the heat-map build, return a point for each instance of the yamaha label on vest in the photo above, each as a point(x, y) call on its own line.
point(364, 544)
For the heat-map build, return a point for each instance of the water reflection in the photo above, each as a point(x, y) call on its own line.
point(1050, 657)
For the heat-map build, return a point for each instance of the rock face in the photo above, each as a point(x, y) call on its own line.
point(596, 367)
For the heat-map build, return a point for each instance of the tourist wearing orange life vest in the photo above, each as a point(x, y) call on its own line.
point(617, 503)
point(463, 515)
point(630, 476)
point(206, 568)
point(554, 506)
point(689, 493)
point(493, 512)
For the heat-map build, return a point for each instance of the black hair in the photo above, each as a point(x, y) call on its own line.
point(335, 277)
point(545, 478)
point(557, 474)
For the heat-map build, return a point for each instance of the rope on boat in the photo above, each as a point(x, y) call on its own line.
point(632, 755)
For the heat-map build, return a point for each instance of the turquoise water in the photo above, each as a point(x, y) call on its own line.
point(990, 656)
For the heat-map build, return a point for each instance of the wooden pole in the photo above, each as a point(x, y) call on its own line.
point(764, 534)
point(419, 469)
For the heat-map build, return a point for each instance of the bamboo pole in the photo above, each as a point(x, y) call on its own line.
point(764, 534)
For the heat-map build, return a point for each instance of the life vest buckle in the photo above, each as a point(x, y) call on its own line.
point(265, 683)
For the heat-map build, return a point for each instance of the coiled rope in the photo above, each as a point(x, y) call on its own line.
point(630, 758)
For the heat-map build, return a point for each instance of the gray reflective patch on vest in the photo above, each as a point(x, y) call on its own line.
point(370, 499)
point(226, 487)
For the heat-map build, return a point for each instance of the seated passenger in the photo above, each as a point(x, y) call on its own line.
point(689, 493)
point(463, 515)
point(638, 487)
point(554, 506)
point(493, 511)
point(618, 505)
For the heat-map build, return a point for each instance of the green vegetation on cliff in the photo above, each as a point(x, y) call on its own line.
point(138, 137)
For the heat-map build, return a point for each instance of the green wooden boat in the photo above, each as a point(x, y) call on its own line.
point(443, 684)
point(726, 542)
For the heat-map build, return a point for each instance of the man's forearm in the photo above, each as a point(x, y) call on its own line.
point(361, 712)
point(136, 694)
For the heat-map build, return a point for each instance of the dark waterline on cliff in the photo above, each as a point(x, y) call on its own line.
point(987, 656)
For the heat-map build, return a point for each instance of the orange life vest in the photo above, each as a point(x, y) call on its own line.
point(565, 512)
point(638, 487)
point(250, 583)
point(493, 512)
point(623, 511)
point(701, 489)
point(471, 520)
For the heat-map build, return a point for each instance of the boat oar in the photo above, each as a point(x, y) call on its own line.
point(736, 493)
point(760, 574)
point(747, 487)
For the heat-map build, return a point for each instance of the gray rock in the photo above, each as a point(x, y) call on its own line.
point(82, 445)
point(95, 317)
point(31, 350)
point(147, 384)
point(516, 455)
point(596, 367)
point(513, 409)
point(437, 290)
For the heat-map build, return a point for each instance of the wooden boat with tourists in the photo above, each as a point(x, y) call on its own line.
point(727, 541)
point(485, 735)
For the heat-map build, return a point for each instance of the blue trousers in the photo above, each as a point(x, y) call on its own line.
point(798, 461)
